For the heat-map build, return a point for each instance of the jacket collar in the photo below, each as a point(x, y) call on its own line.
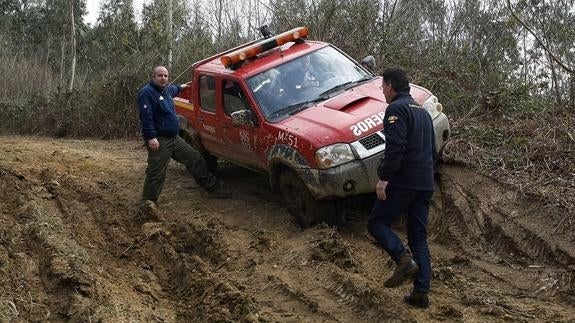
point(155, 87)
point(401, 94)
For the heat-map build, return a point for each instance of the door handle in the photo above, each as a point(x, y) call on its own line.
point(225, 126)
point(201, 119)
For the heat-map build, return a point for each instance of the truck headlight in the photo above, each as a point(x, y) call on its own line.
point(433, 106)
point(333, 155)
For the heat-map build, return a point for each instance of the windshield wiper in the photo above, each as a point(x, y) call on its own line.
point(345, 86)
point(335, 88)
point(297, 107)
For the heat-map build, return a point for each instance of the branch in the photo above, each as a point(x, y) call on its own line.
point(565, 67)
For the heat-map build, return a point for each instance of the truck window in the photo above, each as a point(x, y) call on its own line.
point(234, 98)
point(208, 93)
point(308, 78)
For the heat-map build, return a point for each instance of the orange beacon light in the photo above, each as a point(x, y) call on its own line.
point(253, 50)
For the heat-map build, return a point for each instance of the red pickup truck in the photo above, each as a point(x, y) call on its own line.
point(302, 112)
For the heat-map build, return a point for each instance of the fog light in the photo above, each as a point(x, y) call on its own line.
point(348, 186)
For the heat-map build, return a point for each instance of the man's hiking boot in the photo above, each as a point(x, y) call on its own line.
point(406, 267)
point(218, 192)
point(417, 299)
point(149, 212)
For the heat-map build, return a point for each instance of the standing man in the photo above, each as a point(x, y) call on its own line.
point(160, 129)
point(405, 185)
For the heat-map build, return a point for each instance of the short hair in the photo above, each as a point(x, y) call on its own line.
point(156, 68)
point(397, 78)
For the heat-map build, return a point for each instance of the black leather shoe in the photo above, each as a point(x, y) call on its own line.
point(417, 299)
point(406, 267)
point(218, 192)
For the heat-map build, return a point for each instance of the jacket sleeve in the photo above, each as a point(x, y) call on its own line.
point(395, 130)
point(175, 89)
point(145, 105)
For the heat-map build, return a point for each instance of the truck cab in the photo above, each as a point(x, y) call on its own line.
point(303, 112)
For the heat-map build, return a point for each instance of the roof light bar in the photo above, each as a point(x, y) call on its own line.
point(251, 51)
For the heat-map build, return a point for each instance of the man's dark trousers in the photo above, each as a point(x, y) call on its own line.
point(180, 151)
point(416, 204)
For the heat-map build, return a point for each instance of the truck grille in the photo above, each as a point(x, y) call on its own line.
point(372, 141)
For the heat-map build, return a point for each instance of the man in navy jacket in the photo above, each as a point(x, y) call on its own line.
point(405, 184)
point(160, 129)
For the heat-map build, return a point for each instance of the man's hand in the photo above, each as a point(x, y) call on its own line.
point(183, 86)
point(380, 189)
point(154, 144)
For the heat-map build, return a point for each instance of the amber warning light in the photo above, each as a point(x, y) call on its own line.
point(262, 46)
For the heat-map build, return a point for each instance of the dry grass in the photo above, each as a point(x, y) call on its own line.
point(534, 154)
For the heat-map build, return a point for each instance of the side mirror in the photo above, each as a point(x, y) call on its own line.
point(243, 118)
point(368, 62)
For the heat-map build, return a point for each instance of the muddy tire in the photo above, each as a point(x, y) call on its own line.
point(301, 204)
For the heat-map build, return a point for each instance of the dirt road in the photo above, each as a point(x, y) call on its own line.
point(71, 248)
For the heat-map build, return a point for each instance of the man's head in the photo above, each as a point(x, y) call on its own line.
point(160, 76)
point(393, 81)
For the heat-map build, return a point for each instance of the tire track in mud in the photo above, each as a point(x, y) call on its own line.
point(325, 252)
point(40, 241)
point(319, 274)
point(243, 259)
point(487, 224)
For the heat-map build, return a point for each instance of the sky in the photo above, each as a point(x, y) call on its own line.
point(93, 8)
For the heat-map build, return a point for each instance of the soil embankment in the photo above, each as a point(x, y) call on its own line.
point(72, 248)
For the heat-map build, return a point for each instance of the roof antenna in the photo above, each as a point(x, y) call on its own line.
point(265, 31)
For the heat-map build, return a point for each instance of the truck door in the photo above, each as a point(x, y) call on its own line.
point(242, 140)
point(209, 127)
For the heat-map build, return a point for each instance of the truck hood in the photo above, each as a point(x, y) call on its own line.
point(347, 117)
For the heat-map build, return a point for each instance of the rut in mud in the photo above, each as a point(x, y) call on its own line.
point(72, 248)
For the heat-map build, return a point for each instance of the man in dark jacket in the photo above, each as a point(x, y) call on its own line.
point(160, 129)
point(405, 184)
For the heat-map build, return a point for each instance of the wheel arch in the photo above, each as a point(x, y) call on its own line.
point(284, 157)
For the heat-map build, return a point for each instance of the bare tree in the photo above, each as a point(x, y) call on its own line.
point(539, 40)
point(73, 43)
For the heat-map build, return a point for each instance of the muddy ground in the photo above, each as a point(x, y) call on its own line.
point(73, 249)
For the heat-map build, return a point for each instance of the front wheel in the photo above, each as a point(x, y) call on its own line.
point(301, 204)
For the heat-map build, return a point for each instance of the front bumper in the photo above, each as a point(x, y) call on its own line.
point(356, 177)
point(442, 131)
point(359, 176)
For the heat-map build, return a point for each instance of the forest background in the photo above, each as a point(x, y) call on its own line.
point(504, 70)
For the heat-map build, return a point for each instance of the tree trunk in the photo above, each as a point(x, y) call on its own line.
point(73, 39)
point(62, 52)
point(219, 21)
point(555, 82)
point(572, 92)
point(170, 25)
point(47, 69)
point(525, 69)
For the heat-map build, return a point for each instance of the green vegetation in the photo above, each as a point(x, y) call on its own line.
point(480, 60)
point(503, 70)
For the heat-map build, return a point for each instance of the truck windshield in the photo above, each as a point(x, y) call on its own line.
point(301, 82)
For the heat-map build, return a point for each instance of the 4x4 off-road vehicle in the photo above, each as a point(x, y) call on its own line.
point(301, 111)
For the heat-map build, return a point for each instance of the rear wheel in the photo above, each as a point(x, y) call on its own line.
point(301, 204)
